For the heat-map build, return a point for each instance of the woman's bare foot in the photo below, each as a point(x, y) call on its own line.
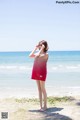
point(43, 109)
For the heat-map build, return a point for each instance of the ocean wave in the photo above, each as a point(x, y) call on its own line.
point(14, 67)
point(25, 68)
point(64, 68)
point(79, 65)
point(2, 67)
point(72, 67)
point(51, 68)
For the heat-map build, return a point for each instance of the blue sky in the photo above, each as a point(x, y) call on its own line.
point(25, 22)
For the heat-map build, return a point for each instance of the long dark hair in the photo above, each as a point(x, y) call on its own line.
point(45, 44)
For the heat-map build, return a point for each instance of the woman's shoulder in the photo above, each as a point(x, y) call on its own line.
point(42, 56)
point(47, 55)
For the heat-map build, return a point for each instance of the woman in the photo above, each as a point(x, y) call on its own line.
point(39, 71)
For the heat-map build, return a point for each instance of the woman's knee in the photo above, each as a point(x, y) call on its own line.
point(42, 84)
point(43, 88)
point(38, 85)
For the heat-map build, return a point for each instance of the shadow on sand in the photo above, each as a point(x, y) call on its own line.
point(78, 103)
point(49, 114)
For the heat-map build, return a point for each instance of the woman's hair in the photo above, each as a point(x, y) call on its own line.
point(45, 44)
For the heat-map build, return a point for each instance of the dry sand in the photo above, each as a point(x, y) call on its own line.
point(23, 109)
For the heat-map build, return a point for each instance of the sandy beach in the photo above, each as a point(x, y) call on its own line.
point(59, 108)
point(23, 103)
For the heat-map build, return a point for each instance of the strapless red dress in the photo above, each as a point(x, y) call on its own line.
point(39, 70)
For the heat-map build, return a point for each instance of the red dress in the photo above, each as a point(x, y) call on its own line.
point(39, 70)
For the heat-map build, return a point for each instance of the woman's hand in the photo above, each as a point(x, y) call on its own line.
point(32, 54)
point(40, 47)
point(43, 46)
point(36, 47)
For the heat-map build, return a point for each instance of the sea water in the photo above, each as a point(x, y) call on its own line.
point(63, 70)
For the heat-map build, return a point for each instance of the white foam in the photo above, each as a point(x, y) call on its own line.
point(15, 68)
point(64, 68)
point(2, 67)
point(60, 65)
point(10, 67)
point(24, 68)
point(78, 65)
point(71, 67)
point(54, 68)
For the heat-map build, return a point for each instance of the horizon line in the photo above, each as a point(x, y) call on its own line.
point(31, 50)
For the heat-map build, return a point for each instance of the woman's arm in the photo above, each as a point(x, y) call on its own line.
point(42, 47)
point(32, 55)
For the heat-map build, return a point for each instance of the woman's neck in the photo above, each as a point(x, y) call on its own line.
point(42, 52)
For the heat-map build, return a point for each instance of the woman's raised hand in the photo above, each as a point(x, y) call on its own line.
point(43, 46)
point(36, 47)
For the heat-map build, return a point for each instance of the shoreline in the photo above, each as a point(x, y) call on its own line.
point(33, 93)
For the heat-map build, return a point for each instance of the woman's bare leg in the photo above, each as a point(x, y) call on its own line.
point(42, 84)
point(40, 92)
